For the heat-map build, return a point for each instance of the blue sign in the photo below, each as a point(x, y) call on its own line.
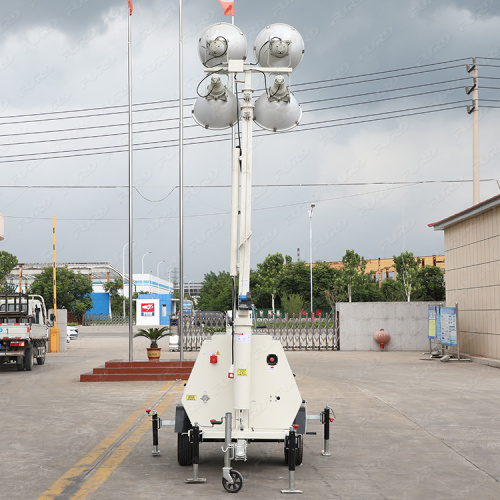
point(187, 307)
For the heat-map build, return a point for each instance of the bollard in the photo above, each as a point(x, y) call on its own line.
point(292, 441)
point(326, 420)
point(195, 433)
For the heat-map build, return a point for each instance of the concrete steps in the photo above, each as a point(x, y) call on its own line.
point(128, 371)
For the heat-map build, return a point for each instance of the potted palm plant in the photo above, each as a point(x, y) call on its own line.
point(153, 335)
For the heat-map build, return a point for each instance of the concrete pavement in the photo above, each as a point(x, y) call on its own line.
point(406, 427)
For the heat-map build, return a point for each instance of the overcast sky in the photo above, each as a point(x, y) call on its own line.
point(63, 116)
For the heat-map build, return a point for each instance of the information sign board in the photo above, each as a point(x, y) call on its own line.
point(448, 318)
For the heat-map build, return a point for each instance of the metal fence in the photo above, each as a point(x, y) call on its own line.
point(104, 319)
point(294, 333)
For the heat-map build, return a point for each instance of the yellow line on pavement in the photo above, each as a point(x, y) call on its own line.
point(82, 465)
point(119, 455)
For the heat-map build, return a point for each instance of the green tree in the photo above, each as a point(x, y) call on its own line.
point(407, 268)
point(368, 290)
point(73, 290)
point(7, 263)
point(216, 292)
point(353, 272)
point(292, 304)
point(324, 278)
point(296, 280)
point(431, 280)
point(335, 294)
point(269, 275)
point(390, 291)
point(114, 288)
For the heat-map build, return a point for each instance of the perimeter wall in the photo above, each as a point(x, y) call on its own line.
point(407, 322)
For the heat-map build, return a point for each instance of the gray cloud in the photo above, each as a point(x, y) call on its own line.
point(59, 56)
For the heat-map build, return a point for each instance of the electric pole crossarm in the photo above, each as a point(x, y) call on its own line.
point(473, 110)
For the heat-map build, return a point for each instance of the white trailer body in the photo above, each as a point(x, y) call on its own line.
point(274, 399)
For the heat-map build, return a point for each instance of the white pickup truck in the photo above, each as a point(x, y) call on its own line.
point(24, 330)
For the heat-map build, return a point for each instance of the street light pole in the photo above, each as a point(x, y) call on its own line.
point(142, 267)
point(123, 274)
point(311, 256)
point(158, 275)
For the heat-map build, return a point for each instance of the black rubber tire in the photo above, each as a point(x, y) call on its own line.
point(20, 364)
point(236, 485)
point(184, 450)
point(299, 450)
point(28, 359)
point(41, 360)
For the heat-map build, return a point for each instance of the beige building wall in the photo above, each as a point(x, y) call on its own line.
point(472, 250)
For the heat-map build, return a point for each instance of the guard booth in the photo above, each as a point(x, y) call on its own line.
point(153, 309)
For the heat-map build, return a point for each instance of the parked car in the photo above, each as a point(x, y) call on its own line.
point(73, 332)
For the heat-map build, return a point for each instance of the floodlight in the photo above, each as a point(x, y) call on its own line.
point(220, 43)
point(277, 109)
point(218, 109)
point(279, 45)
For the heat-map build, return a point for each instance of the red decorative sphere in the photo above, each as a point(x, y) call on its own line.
point(382, 337)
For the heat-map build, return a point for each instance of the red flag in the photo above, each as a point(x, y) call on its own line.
point(130, 6)
point(228, 7)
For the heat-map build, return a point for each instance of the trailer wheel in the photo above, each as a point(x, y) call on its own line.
point(19, 364)
point(184, 449)
point(41, 360)
point(299, 450)
point(237, 482)
point(28, 359)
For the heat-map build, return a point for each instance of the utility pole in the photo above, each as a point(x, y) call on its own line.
point(474, 111)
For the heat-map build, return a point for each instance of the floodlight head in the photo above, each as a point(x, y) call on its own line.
point(218, 109)
point(221, 42)
point(279, 46)
point(277, 109)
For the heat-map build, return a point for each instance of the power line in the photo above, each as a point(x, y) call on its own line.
point(220, 137)
point(141, 146)
point(394, 186)
point(163, 129)
point(226, 186)
point(175, 106)
point(353, 96)
point(356, 83)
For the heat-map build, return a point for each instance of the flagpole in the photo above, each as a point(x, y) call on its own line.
point(130, 194)
point(180, 322)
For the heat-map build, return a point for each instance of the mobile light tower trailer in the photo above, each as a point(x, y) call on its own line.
point(241, 389)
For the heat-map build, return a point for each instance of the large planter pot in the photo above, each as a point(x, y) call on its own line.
point(154, 353)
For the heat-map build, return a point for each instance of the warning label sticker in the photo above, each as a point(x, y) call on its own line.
point(191, 397)
point(242, 338)
point(242, 372)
